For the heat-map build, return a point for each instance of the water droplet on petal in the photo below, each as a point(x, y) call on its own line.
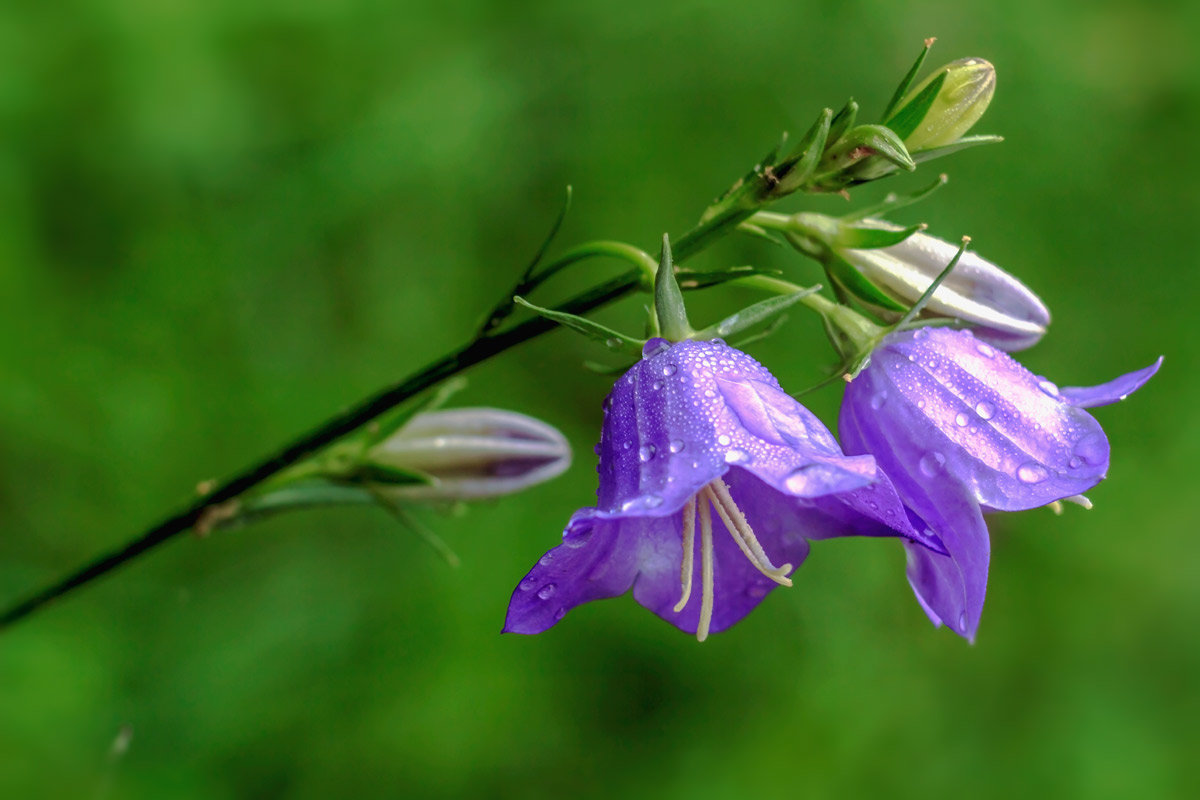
point(1075, 462)
point(646, 453)
point(920, 404)
point(546, 592)
point(654, 347)
point(653, 501)
point(1092, 449)
point(545, 560)
point(626, 444)
point(985, 350)
point(676, 445)
point(527, 583)
point(812, 480)
point(921, 333)
point(961, 420)
point(723, 440)
point(669, 370)
point(962, 621)
point(931, 463)
point(736, 456)
point(656, 385)
point(1032, 472)
point(878, 399)
point(985, 410)
point(562, 612)
point(1048, 387)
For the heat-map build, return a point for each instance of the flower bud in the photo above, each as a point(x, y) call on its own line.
point(997, 306)
point(471, 453)
point(964, 96)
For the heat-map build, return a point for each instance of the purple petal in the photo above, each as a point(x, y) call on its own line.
point(962, 408)
point(598, 559)
point(1111, 392)
point(686, 413)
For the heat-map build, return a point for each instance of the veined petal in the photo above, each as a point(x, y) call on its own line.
point(1113, 391)
point(970, 411)
point(687, 413)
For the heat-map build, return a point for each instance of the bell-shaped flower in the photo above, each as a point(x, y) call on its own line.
point(998, 307)
point(712, 483)
point(471, 453)
point(961, 429)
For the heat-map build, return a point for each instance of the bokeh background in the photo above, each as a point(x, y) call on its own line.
point(222, 221)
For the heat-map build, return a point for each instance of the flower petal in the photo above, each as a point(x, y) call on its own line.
point(1113, 391)
point(686, 413)
point(597, 559)
point(960, 407)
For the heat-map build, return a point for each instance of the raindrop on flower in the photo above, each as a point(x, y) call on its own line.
point(961, 420)
point(1032, 472)
point(985, 410)
point(736, 456)
point(547, 591)
point(931, 463)
point(645, 453)
point(676, 445)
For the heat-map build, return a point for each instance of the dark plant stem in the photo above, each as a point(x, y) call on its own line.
point(480, 349)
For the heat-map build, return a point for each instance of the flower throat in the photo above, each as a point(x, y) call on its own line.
point(715, 495)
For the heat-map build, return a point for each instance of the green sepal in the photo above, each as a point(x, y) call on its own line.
point(386, 475)
point(852, 238)
point(797, 169)
point(849, 278)
point(613, 340)
point(750, 316)
point(961, 144)
point(295, 497)
point(692, 279)
point(907, 82)
point(668, 299)
point(919, 306)
point(759, 232)
point(884, 141)
point(843, 120)
point(894, 201)
point(907, 119)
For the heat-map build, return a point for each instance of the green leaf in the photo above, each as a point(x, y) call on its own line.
point(613, 340)
point(383, 474)
point(961, 144)
point(871, 238)
point(692, 280)
point(752, 315)
point(758, 336)
point(907, 82)
point(907, 119)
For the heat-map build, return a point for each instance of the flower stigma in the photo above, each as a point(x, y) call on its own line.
point(715, 495)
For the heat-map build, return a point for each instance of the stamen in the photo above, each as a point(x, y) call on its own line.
point(689, 543)
point(706, 573)
point(743, 535)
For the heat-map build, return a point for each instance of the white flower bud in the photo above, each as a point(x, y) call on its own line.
point(473, 453)
point(997, 306)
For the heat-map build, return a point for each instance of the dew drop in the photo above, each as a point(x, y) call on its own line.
point(723, 440)
point(962, 621)
point(921, 333)
point(985, 409)
point(931, 463)
point(695, 465)
point(645, 453)
point(1032, 472)
point(812, 480)
point(653, 501)
point(961, 420)
point(527, 583)
point(676, 445)
point(1049, 388)
point(668, 370)
point(626, 445)
point(545, 560)
point(1092, 449)
point(736, 456)
point(654, 347)
point(562, 612)
point(878, 399)
point(613, 343)
point(546, 592)
point(1075, 462)
point(985, 350)
point(656, 385)
point(920, 404)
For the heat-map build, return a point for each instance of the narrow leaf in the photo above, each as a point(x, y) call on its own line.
point(795, 171)
point(908, 118)
point(752, 315)
point(871, 238)
point(933, 287)
point(961, 144)
point(848, 277)
point(692, 280)
point(842, 122)
point(907, 82)
point(611, 339)
point(894, 201)
point(668, 299)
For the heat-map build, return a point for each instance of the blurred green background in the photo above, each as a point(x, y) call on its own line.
point(222, 221)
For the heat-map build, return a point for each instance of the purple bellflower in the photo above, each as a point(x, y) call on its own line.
point(961, 428)
point(712, 483)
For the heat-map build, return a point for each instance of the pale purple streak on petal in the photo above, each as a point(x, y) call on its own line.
point(1113, 391)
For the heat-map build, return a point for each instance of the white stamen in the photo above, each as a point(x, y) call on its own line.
point(689, 544)
point(706, 573)
point(743, 535)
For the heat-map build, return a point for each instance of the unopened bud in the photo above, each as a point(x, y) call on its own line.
point(964, 96)
point(997, 306)
point(471, 453)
